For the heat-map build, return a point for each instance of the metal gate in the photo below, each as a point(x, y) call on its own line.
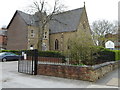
point(28, 64)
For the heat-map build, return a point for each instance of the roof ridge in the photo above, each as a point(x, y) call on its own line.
point(69, 11)
point(70, 17)
point(54, 14)
point(23, 12)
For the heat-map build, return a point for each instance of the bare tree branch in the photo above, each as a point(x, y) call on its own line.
point(44, 17)
point(102, 27)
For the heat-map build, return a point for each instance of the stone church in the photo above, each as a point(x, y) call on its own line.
point(23, 30)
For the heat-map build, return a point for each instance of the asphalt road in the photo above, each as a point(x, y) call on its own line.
point(12, 79)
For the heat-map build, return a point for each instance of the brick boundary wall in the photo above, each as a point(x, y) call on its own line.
point(50, 59)
point(88, 73)
point(47, 59)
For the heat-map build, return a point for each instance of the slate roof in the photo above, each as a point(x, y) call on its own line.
point(62, 22)
point(66, 21)
point(29, 19)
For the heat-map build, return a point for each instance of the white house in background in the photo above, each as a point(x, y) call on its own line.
point(110, 45)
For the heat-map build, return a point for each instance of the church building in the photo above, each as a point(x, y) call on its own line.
point(23, 30)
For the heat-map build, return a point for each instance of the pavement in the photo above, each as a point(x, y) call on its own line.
point(113, 82)
point(12, 79)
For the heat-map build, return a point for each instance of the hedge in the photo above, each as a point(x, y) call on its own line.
point(50, 54)
point(13, 51)
point(40, 53)
point(117, 54)
point(107, 54)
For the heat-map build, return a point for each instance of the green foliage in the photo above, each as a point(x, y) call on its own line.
point(9, 51)
point(13, 51)
point(81, 49)
point(90, 55)
point(40, 53)
point(108, 55)
point(50, 54)
point(117, 54)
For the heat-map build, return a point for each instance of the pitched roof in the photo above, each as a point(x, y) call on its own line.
point(66, 21)
point(62, 22)
point(29, 19)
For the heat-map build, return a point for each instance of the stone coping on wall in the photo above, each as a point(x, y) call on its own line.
point(88, 66)
point(64, 64)
point(105, 64)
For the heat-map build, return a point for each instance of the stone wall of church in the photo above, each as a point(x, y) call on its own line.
point(32, 37)
point(45, 42)
point(84, 30)
point(62, 39)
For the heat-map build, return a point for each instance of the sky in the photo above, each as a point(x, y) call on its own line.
point(96, 9)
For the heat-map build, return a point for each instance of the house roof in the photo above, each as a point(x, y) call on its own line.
point(62, 22)
point(66, 21)
point(29, 19)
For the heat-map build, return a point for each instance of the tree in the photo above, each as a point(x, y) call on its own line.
point(100, 28)
point(45, 15)
point(81, 49)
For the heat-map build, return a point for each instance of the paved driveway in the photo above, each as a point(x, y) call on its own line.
point(12, 79)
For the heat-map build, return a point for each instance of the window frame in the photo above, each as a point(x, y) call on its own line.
point(32, 33)
point(56, 44)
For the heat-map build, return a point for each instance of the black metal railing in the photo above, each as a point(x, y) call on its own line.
point(28, 64)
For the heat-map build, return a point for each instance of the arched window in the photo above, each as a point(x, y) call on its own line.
point(45, 35)
point(56, 44)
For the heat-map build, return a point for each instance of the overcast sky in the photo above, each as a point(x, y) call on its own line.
point(96, 9)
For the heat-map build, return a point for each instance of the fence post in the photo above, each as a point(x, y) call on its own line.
point(36, 61)
point(20, 58)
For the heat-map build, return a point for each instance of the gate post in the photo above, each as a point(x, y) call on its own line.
point(36, 61)
point(20, 58)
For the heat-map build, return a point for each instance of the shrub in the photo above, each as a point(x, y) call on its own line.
point(106, 56)
point(80, 54)
point(13, 51)
point(40, 53)
point(50, 54)
point(117, 54)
